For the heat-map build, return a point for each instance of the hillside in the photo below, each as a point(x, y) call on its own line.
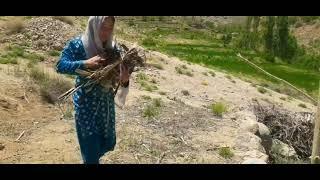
point(176, 112)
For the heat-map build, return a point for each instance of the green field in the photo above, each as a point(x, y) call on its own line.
point(203, 47)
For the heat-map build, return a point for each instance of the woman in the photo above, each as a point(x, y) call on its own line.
point(94, 108)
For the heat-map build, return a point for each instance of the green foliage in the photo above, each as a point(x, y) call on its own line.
point(219, 108)
point(226, 152)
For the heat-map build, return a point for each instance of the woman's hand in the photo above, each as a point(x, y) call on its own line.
point(94, 63)
point(124, 74)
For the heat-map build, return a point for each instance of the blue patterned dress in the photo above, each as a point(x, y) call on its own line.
point(94, 108)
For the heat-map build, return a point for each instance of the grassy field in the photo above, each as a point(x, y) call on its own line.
point(204, 47)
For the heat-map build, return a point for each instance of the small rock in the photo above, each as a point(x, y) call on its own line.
point(250, 125)
point(1, 147)
point(283, 149)
point(263, 130)
point(254, 161)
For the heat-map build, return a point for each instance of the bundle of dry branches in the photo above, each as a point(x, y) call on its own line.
point(295, 129)
point(111, 72)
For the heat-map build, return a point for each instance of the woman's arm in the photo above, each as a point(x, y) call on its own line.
point(68, 64)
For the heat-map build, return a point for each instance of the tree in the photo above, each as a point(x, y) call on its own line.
point(283, 30)
point(268, 35)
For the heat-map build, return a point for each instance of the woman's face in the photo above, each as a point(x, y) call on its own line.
point(106, 29)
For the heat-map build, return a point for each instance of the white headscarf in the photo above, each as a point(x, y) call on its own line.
point(90, 39)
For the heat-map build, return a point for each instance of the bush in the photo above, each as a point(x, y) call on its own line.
point(292, 48)
point(226, 38)
point(269, 57)
point(226, 152)
point(311, 61)
point(219, 108)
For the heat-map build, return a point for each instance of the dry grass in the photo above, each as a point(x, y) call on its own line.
point(205, 83)
point(51, 86)
point(14, 25)
point(66, 19)
point(156, 65)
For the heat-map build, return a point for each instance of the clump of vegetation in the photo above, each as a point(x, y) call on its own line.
point(162, 93)
point(228, 76)
point(226, 152)
point(51, 87)
point(149, 42)
point(8, 60)
point(13, 52)
point(219, 108)
point(157, 102)
point(213, 74)
point(54, 53)
point(183, 70)
point(283, 98)
point(146, 97)
point(302, 105)
point(262, 90)
point(144, 82)
point(152, 109)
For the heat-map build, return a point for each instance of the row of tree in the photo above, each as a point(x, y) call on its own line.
point(273, 34)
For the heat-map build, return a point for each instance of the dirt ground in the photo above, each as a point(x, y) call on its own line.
point(186, 131)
